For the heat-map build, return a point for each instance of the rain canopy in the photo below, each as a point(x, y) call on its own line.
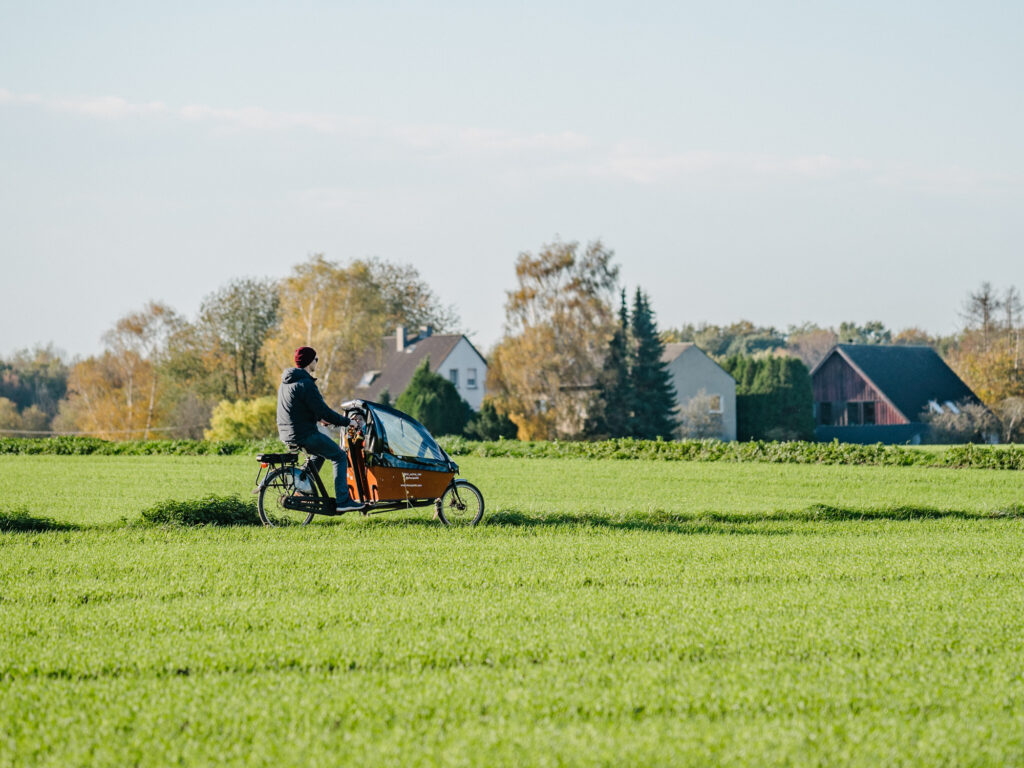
point(396, 439)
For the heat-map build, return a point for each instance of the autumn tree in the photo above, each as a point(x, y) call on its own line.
point(236, 321)
point(558, 320)
point(25, 422)
point(103, 396)
point(339, 311)
point(872, 332)
point(810, 343)
point(34, 381)
point(988, 353)
point(118, 394)
point(408, 300)
point(138, 342)
point(914, 336)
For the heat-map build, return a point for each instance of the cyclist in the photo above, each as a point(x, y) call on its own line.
point(299, 407)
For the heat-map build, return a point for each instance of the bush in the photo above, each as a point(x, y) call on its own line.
point(21, 520)
point(1011, 417)
point(696, 418)
point(89, 446)
point(211, 510)
point(489, 424)
point(967, 423)
point(254, 419)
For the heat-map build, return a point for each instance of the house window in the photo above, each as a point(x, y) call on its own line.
point(453, 376)
point(825, 413)
point(869, 413)
point(715, 404)
point(471, 378)
point(853, 416)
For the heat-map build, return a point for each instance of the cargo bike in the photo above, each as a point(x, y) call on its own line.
point(393, 463)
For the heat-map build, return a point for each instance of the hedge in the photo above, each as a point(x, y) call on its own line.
point(955, 457)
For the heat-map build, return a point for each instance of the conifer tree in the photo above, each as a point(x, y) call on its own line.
point(434, 402)
point(773, 398)
point(654, 395)
point(490, 424)
point(615, 400)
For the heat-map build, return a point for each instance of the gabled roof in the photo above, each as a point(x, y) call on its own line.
point(394, 368)
point(674, 350)
point(908, 376)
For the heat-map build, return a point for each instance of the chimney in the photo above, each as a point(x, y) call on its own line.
point(400, 338)
point(426, 330)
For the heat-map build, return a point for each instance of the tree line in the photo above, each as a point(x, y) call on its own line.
point(577, 359)
point(162, 375)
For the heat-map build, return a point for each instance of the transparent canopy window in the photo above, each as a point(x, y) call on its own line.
point(407, 438)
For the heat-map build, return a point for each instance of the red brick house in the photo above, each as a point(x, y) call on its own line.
point(874, 393)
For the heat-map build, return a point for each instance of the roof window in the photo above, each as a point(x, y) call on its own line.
point(368, 378)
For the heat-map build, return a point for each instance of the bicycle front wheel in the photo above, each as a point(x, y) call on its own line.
point(461, 504)
point(280, 485)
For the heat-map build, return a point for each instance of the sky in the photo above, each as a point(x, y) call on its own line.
point(780, 162)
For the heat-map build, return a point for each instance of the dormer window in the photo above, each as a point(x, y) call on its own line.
point(368, 378)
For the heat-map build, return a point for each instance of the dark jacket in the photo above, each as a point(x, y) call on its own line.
point(300, 406)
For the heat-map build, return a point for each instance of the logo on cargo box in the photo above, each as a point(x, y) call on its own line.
point(412, 480)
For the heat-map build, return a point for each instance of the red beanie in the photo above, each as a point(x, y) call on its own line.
point(304, 356)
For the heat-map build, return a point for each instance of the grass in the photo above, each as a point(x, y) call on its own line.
point(609, 613)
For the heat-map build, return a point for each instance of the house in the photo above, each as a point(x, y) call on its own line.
point(693, 372)
point(874, 393)
point(390, 368)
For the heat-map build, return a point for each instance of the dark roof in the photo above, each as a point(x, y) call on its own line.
point(395, 369)
point(909, 376)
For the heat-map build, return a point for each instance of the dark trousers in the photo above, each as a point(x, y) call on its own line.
point(321, 447)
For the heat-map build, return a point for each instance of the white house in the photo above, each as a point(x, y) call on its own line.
point(453, 356)
point(693, 372)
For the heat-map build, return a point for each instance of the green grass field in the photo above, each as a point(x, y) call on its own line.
point(609, 613)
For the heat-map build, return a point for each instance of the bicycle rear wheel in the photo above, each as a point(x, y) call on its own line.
point(280, 485)
point(461, 504)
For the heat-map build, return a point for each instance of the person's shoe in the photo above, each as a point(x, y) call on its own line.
point(348, 505)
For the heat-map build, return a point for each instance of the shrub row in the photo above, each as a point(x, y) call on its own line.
point(961, 456)
point(83, 446)
point(796, 452)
